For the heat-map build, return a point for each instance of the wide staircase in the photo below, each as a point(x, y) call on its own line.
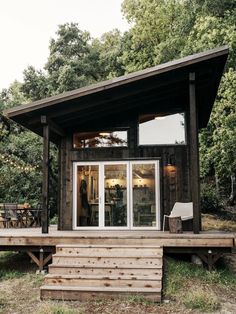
point(79, 272)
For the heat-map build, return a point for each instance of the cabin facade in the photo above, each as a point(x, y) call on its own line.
point(128, 151)
point(128, 147)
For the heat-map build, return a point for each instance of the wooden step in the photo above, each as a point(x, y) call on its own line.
point(80, 272)
point(98, 277)
point(86, 293)
point(107, 245)
point(73, 280)
point(104, 271)
point(110, 251)
point(137, 262)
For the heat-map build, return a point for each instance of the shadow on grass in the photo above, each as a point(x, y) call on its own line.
point(14, 265)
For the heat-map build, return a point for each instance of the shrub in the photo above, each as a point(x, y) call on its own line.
point(54, 220)
point(210, 200)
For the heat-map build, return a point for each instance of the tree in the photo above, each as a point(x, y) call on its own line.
point(73, 61)
point(36, 84)
point(158, 33)
point(218, 140)
point(110, 48)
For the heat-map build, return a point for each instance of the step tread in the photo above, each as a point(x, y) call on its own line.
point(100, 277)
point(105, 267)
point(96, 256)
point(99, 289)
point(108, 246)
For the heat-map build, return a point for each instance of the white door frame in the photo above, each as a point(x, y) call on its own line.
point(101, 165)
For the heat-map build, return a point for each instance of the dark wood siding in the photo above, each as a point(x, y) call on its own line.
point(175, 181)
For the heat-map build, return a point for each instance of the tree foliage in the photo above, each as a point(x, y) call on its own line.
point(73, 61)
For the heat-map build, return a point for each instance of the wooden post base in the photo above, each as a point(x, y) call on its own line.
point(42, 260)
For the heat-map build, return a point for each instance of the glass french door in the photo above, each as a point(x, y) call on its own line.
point(116, 195)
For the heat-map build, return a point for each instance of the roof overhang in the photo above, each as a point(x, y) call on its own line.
point(163, 88)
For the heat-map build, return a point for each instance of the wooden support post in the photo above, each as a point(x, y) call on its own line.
point(194, 155)
point(41, 259)
point(45, 186)
point(210, 259)
point(133, 138)
point(59, 192)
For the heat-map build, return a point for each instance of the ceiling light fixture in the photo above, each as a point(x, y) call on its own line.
point(104, 134)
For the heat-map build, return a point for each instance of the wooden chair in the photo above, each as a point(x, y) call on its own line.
point(13, 219)
point(36, 216)
point(3, 220)
point(183, 210)
point(108, 215)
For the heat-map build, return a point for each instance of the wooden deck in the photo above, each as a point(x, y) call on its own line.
point(33, 237)
point(103, 263)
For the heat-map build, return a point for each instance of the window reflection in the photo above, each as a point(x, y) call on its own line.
point(100, 139)
point(162, 129)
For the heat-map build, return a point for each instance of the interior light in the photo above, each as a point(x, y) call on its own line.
point(104, 134)
point(159, 118)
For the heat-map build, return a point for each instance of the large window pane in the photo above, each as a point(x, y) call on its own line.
point(158, 130)
point(100, 139)
point(87, 196)
point(115, 195)
point(144, 195)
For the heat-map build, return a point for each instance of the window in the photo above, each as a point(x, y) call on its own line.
point(100, 139)
point(162, 129)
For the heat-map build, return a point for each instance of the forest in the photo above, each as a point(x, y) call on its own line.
point(160, 31)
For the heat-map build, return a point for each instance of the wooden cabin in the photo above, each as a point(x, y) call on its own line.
point(128, 147)
point(128, 151)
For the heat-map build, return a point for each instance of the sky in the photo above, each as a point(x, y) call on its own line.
point(26, 27)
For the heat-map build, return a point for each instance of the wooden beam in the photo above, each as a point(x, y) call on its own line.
point(54, 127)
point(210, 259)
point(120, 81)
point(45, 185)
point(194, 155)
point(42, 260)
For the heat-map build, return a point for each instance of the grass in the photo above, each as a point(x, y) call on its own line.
point(195, 286)
point(212, 222)
point(179, 272)
point(10, 270)
point(52, 308)
point(201, 299)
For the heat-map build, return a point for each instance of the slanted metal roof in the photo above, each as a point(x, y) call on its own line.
point(161, 89)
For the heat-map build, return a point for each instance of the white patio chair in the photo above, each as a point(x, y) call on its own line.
point(183, 210)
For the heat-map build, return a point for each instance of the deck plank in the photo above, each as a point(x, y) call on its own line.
point(34, 237)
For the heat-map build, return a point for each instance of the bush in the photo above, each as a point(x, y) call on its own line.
point(210, 199)
point(53, 220)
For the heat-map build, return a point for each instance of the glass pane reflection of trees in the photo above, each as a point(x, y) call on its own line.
point(100, 139)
